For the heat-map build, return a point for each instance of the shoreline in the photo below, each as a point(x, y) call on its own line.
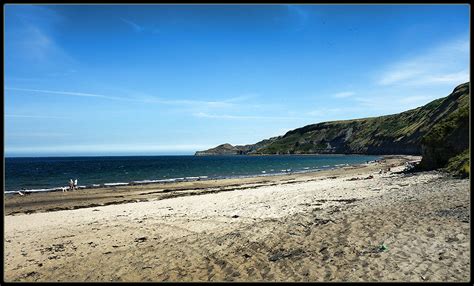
point(198, 177)
point(45, 201)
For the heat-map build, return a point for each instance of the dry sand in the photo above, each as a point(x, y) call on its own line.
point(321, 226)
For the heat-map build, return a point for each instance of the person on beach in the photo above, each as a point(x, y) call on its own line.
point(21, 193)
point(71, 185)
point(75, 184)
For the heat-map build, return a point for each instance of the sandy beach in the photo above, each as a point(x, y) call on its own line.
point(348, 224)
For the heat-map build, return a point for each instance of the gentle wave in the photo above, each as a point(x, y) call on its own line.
point(43, 190)
point(116, 184)
point(144, 182)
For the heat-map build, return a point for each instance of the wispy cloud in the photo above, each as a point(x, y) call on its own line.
point(34, 116)
point(245, 117)
point(68, 93)
point(39, 134)
point(39, 45)
point(394, 103)
point(185, 102)
point(416, 99)
point(447, 78)
point(325, 111)
point(106, 148)
point(30, 39)
point(300, 14)
point(416, 80)
point(21, 79)
point(196, 103)
point(445, 64)
point(242, 97)
point(145, 98)
point(135, 26)
point(344, 94)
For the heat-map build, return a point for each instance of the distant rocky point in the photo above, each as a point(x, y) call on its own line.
point(228, 149)
point(223, 149)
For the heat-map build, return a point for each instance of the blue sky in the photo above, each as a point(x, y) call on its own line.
point(173, 79)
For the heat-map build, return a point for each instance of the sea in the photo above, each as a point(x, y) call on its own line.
point(41, 174)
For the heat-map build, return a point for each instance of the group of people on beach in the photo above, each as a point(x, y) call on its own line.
point(72, 185)
point(409, 166)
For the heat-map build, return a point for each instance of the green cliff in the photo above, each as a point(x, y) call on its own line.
point(438, 131)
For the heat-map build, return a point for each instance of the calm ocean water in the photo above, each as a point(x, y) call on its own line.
point(43, 174)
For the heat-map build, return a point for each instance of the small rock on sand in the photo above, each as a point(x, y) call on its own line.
point(141, 239)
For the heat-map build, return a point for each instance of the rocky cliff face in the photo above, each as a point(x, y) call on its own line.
point(449, 137)
point(444, 122)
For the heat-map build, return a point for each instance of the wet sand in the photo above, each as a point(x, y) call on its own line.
point(324, 226)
